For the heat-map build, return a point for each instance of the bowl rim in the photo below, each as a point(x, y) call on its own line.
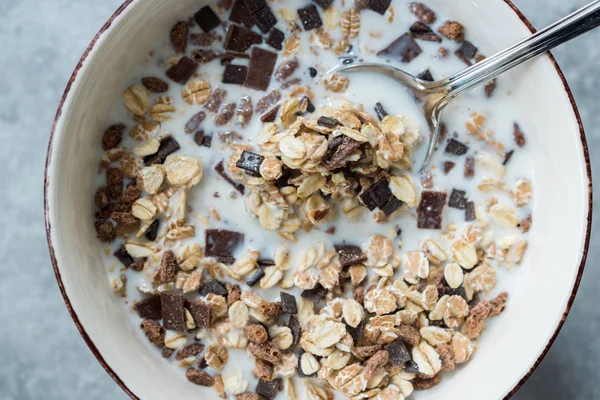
point(91, 345)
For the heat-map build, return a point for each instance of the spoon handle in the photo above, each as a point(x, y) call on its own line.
point(578, 23)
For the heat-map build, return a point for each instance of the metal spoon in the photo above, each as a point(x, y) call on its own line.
point(435, 96)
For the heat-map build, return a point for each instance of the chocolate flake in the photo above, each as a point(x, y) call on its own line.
point(221, 171)
point(456, 148)
point(206, 19)
point(240, 14)
point(275, 39)
point(265, 19)
point(470, 212)
point(426, 76)
point(507, 157)
point(172, 311)
point(235, 74)
point(377, 194)
point(253, 6)
point(324, 4)
point(179, 36)
point(271, 115)
point(398, 353)
point(405, 48)
point(155, 85)
point(458, 199)
point(379, 6)
point(288, 303)
point(152, 231)
point(448, 166)
point(380, 111)
point(310, 18)
point(195, 122)
point(168, 146)
point(420, 31)
point(269, 389)
point(258, 275)
point(213, 287)
point(250, 162)
point(221, 242)
point(350, 255)
point(149, 308)
point(123, 256)
point(239, 39)
point(518, 135)
point(294, 326)
point(200, 313)
point(327, 122)
point(315, 295)
point(338, 148)
point(183, 70)
point(430, 210)
point(469, 167)
point(260, 69)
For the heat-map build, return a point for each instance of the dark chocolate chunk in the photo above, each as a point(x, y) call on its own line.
point(183, 70)
point(312, 72)
point(215, 100)
point(468, 49)
point(301, 373)
point(458, 199)
point(518, 135)
point(239, 39)
point(469, 167)
point(419, 30)
point(379, 6)
point(265, 19)
point(200, 312)
point(270, 115)
point(430, 210)
point(266, 262)
point(422, 12)
point(123, 256)
point(202, 139)
point(380, 111)
point(507, 157)
point(327, 122)
point(411, 367)
point(149, 308)
point(235, 74)
point(350, 255)
point(426, 76)
point(250, 162)
point(179, 36)
point(377, 194)
point(404, 48)
point(172, 311)
point(206, 19)
point(152, 231)
point(240, 14)
point(490, 87)
point(155, 85)
point(253, 6)
point(257, 276)
point(338, 149)
point(294, 326)
point(356, 333)
point(310, 17)
point(288, 303)
point(455, 147)
point(275, 39)
point(221, 171)
point(470, 212)
point(398, 352)
point(391, 205)
point(315, 295)
point(448, 166)
point(195, 122)
point(168, 146)
point(260, 69)
point(269, 389)
point(213, 287)
point(221, 242)
point(324, 4)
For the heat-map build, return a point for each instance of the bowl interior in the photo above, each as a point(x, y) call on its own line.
point(538, 298)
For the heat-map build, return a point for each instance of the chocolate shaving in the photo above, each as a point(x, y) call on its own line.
point(420, 31)
point(294, 326)
point(183, 70)
point(356, 333)
point(221, 171)
point(168, 146)
point(286, 69)
point(225, 115)
point(205, 56)
point(490, 87)
point(350, 255)
point(122, 255)
point(250, 162)
point(258, 275)
point(430, 210)
point(391, 205)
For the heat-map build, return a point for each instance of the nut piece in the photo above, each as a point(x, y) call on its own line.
point(137, 100)
point(238, 314)
point(196, 92)
point(143, 209)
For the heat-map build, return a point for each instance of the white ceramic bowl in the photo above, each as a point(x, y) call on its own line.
point(513, 345)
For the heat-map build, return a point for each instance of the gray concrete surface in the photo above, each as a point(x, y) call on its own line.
point(42, 355)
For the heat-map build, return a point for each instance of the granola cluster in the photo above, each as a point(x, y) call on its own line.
point(376, 316)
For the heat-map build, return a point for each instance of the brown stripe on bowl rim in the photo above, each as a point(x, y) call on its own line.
point(92, 345)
